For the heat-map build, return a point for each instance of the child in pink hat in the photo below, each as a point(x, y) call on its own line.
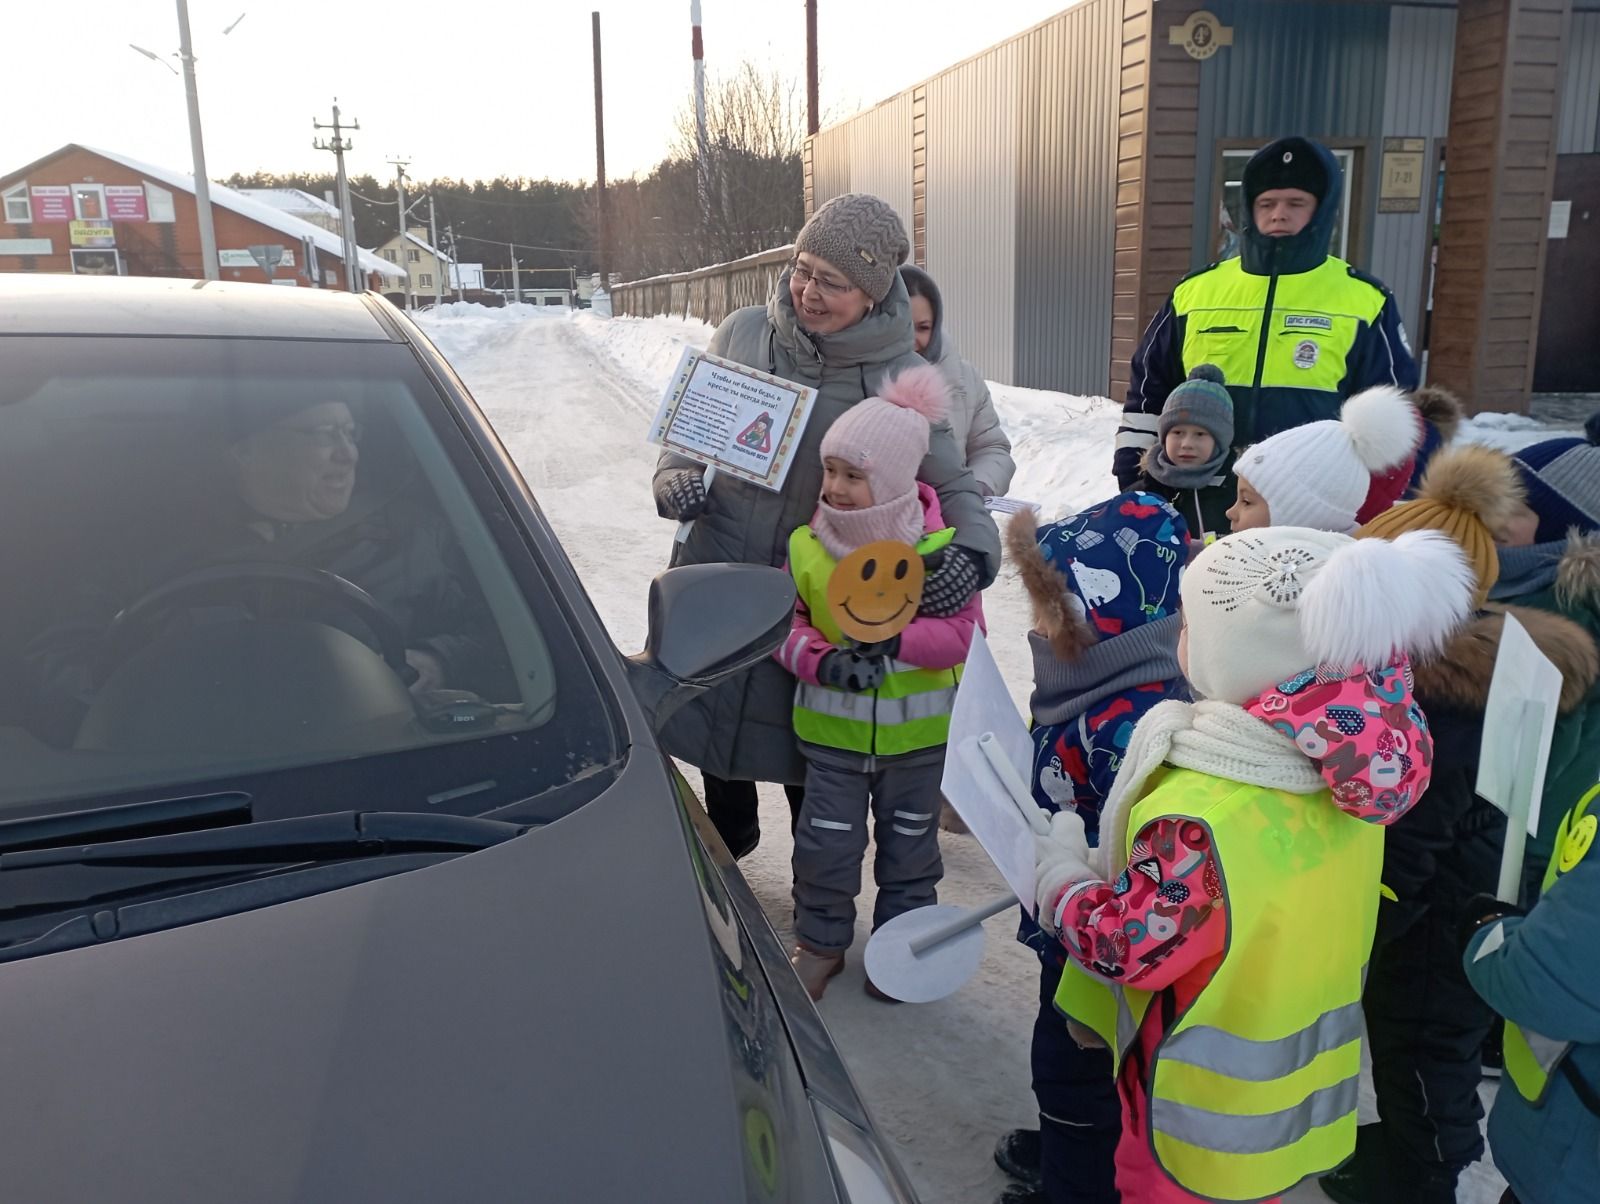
point(872, 720)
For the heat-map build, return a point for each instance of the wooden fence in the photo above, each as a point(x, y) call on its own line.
point(709, 294)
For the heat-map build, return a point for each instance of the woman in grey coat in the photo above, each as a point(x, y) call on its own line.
point(973, 420)
point(840, 321)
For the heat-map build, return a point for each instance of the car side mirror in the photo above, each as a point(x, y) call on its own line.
point(707, 622)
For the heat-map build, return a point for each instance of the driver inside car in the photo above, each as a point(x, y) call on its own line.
point(293, 465)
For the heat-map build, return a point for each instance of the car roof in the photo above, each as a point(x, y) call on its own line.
point(146, 305)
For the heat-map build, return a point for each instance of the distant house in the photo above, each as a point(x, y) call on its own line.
point(427, 269)
point(90, 211)
point(300, 203)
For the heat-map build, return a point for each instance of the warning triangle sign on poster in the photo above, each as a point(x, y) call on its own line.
point(758, 435)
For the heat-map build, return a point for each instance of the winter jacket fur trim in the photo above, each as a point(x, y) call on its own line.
point(1578, 577)
point(1459, 676)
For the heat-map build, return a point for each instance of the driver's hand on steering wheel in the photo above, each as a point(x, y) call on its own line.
point(429, 668)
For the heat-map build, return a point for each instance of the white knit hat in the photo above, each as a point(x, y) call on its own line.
point(1261, 606)
point(1318, 475)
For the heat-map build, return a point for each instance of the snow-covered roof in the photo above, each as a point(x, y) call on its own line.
point(291, 200)
point(297, 228)
point(417, 242)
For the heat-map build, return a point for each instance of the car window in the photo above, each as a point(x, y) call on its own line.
point(268, 562)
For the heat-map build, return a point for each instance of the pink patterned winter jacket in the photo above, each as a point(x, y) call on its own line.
point(1364, 733)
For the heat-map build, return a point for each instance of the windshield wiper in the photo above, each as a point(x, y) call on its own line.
point(147, 818)
point(306, 838)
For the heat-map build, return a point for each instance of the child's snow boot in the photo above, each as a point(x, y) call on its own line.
point(1017, 1153)
point(815, 969)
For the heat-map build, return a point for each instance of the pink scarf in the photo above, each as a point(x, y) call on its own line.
point(843, 531)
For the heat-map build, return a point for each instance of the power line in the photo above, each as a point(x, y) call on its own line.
point(522, 246)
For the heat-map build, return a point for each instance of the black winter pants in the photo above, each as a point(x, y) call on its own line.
point(1425, 1023)
point(732, 808)
point(1079, 1117)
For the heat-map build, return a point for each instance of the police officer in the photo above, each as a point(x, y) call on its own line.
point(1294, 329)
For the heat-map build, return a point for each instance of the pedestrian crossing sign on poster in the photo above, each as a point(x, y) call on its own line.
point(733, 418)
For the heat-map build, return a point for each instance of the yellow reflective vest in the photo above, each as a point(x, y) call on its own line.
point(1282, 342)
point(909, 712)
point(1531, 1058)
point(1254, 1087)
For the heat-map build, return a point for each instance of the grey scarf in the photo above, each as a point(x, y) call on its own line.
point(1164, 470)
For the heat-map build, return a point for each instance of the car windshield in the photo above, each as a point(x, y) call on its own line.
point(273, 566)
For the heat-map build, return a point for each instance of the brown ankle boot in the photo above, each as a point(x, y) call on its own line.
point(815, 969)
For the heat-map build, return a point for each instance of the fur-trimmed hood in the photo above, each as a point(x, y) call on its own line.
point(1459, 676)
point(1058, 613)
point(1578, 577)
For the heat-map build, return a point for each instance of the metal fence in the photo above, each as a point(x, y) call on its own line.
point(709, 294)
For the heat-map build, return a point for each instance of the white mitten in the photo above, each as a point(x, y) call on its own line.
point(1060, 858)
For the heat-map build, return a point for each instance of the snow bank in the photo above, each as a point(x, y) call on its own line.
point(644, 349)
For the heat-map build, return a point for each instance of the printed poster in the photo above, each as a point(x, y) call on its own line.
point(740, 421)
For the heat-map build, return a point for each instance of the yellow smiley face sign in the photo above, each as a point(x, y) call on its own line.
point(874, 592)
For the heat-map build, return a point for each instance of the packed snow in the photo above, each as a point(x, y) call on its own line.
point(571, 396)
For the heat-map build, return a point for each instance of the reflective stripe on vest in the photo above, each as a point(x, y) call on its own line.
point(909, 712)
point(1254, 1087)
point(1532, 1058)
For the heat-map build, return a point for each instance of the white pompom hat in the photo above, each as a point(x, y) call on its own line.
point(1261, 606)
point(1318, 475)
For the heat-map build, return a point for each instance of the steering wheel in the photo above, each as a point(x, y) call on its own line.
point(267, 578)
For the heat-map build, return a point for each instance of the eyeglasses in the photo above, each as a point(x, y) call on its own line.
point(803, 276)
point(328, 434)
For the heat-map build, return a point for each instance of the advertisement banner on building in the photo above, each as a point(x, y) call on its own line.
point(92, 234)
point(26, 246)
point(125, 203)
point(240, 257)
point(51, 203)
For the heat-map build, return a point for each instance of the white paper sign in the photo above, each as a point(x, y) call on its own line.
point(739, 421)
point(1560, 218)
point(1522, 674)
point(1009, 505)
point(983, 704)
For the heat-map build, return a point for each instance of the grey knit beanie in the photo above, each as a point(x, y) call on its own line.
point(1203, 401)
point(861, 236)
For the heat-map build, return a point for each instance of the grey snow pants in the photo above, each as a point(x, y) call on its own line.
point(831, 840)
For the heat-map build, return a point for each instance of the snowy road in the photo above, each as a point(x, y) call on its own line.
point(571, 399)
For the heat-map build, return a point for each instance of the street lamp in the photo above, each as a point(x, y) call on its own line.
point(202, 183)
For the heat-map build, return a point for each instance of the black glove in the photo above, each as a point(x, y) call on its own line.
point(1483, 909)
point(951, 584)
point(681, 495)
point(845, 670)
point(889, 648)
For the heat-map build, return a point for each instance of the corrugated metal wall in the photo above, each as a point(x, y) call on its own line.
point(830, 163)
point(1066, 200)
point(972, 205)
point(1580, 92)
point(1416, 105)
point(880, 154)
point(1313, 67)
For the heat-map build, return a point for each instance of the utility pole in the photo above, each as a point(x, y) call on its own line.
point(338, 144)
point(603, 252)
point(202, 183)
point(455, 255)
point(703, 164)
point(812, 116)
point(400, 166)
point(516, 276)
point(433, 237)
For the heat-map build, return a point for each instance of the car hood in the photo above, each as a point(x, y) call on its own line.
point(545, 1019)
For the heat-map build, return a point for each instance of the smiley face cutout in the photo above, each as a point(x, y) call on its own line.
point(874, 592)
